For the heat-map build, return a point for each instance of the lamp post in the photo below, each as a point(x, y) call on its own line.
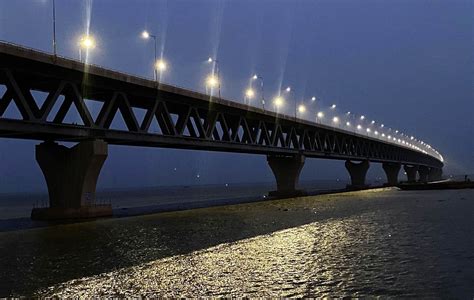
point(313, 100)
point(216, 62)
point(54, 28)
point(161, 65)
point(255, 77)
point(301, 109)
point(146, 35)
point(288, 90)
point(86, 42)
point(212, 81)
point(249, 94)
point(320, 116)
point(278, 102)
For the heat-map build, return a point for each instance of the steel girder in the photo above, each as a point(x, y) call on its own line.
point(182, 119)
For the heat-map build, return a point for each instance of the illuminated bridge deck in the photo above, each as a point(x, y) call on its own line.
point(184, 119)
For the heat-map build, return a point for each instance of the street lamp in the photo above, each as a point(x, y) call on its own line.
point(255, 77)
point(86, 42)
point(301, 109)
point(212, 81)
point(216, 63)
point(249, 94)
point(146, 35)
point(278, 102)
point(288, 90)
point(319, 116)
point(161, 65)
point(54, 28)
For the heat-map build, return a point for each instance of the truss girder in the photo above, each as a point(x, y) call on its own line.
point(180, 117)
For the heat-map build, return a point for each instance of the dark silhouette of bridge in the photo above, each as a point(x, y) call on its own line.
point(183, 119)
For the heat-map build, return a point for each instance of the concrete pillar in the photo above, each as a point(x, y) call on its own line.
point(391, 171)
point(71, 175)
point(411, 172)
point(435, 174)
point(423, 172)
point(357, 171)
point(287, 171)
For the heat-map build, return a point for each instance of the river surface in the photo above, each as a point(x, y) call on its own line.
point(383, 242)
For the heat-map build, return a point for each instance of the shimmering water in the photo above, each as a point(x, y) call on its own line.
point(375, 243)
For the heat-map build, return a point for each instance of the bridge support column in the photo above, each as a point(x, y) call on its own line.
point(357, 171)
point(435, 174)
point(287, 171)
point(71, 175)
point(391, 171)
point(411, 172)
point(423, 172)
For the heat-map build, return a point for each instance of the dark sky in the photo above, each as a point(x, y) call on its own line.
point(407, 64)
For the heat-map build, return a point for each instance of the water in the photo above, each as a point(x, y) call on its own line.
point(148, 199)
point(383, 242)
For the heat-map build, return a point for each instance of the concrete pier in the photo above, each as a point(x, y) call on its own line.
point(435, 174)
point(287, 171)
point(391, 171)
point(358, 172)
point(71, 175)
point(423, 172)
point(411, 172)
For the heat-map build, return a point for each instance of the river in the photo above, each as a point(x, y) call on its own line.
point(382, 242)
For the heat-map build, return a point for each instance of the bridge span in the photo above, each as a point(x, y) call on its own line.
point(182, 119)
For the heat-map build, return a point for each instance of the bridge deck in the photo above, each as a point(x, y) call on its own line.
point(185, 119)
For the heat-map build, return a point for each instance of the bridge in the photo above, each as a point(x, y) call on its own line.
point(182, 119)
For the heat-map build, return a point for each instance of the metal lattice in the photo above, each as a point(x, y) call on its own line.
point(183, 119)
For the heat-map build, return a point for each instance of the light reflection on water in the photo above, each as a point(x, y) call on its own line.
point(389, 243)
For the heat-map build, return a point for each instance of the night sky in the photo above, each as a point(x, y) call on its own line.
point(407, 64)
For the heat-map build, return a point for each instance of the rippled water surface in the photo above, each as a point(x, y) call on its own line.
point(377, 243)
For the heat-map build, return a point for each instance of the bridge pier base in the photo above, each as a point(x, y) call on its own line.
point(287, 171)
point(71, 175)
point(357, 171)
point(423, 172)
point(391, 171)
point(411, 172)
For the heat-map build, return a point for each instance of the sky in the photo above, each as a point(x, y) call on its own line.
point(407, 64)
